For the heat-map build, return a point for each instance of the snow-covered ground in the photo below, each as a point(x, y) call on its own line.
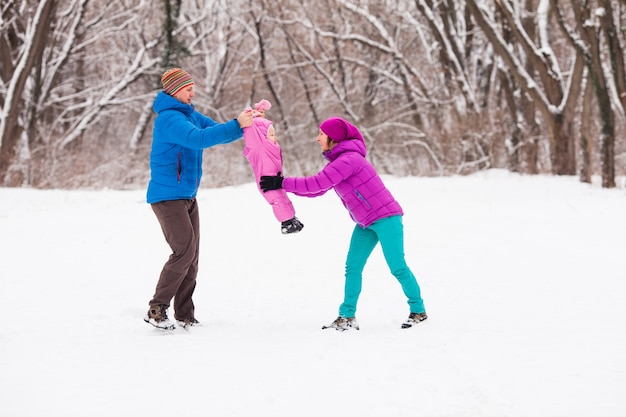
point(524, 281)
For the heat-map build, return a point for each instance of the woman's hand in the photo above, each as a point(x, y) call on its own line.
point(271, 182)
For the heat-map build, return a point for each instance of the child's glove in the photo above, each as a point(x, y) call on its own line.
point(271, 182)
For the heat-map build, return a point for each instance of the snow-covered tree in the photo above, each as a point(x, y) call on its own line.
point(437, 87)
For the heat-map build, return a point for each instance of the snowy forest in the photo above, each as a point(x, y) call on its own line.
point(438, 87)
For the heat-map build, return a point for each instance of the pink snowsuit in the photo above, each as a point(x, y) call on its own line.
point(266, 158)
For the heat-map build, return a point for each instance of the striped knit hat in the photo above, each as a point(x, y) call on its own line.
point(174, 80)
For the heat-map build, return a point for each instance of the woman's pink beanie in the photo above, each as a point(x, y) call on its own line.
point(339, 129)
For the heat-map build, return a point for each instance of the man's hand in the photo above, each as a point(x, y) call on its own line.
point(245, 118)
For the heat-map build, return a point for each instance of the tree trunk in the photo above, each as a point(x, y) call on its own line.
point(615, 50)
point(563, 152)
point(585, 135)
point(10, 127)
point(590, 34)
point(558, 119)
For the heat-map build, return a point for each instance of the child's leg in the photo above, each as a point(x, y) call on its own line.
point(362, 244)
point(281, 205)
point(390, 232)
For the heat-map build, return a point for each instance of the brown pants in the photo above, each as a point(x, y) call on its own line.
point(180, 223)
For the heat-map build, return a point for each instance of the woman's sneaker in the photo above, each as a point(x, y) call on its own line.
point(157, 316)
point(291, 226)
point(413, 319)
point(343, 323)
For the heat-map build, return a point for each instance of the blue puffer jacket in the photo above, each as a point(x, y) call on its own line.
point(179, 137)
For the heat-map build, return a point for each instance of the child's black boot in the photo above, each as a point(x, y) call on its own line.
point(291, 226)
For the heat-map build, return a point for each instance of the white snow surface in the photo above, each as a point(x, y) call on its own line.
point(523, 278)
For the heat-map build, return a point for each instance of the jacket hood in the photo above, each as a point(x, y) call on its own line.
point(164, 101)
point(352, 145)
point(261, 126)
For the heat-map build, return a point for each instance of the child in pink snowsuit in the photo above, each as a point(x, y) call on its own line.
point(265, 157)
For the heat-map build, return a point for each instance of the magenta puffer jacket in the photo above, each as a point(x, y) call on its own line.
point(355, 181)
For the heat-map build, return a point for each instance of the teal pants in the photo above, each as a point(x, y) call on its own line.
point(390, 233)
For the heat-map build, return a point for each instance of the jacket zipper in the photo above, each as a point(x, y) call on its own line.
point(360, 196)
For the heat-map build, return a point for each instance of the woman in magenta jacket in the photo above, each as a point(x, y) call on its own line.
point(377, 214)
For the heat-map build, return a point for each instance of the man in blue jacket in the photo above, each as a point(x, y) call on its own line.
point(180, 135)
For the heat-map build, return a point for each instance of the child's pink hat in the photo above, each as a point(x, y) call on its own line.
point(263, 105)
